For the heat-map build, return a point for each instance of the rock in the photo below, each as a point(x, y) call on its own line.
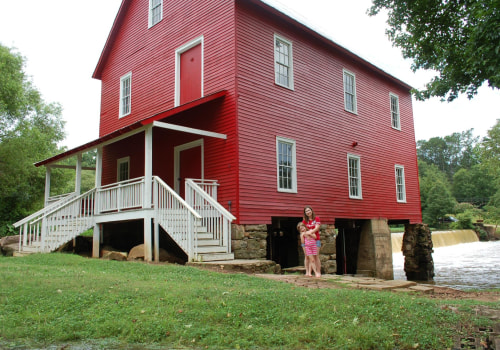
point(112, 255)
point(9, 249)
point(8, 240)
point(136, 253)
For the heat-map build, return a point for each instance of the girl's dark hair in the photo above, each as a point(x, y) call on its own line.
point(305, 216)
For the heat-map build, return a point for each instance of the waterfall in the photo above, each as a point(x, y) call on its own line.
point(439, 239)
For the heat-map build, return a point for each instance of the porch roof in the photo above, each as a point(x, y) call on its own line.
point(133, 128)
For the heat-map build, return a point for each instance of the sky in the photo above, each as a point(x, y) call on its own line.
point(62, 41)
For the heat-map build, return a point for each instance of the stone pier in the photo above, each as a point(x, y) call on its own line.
point(417, 250)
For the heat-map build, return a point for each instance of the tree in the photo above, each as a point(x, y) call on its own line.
point(439, 202)
point(29, 131)
point(473, 185)
point(453, 152)
point(490, 151)
point(429, 175)
point(457, 39)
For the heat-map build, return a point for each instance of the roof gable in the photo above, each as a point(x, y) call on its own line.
point(111, 38)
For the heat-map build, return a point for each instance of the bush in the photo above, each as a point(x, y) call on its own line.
point(464, 220)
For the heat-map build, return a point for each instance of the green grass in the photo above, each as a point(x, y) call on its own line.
point(50, 299)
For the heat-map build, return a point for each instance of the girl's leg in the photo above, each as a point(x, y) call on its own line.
point(310, 264)
point(317, 265)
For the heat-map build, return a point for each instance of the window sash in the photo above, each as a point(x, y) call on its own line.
point(287, 178)
point(395, 118)
point(349, 92)
point(125, 95)
point(155, 12)
point(123, 171)
point(400, 184)
point(283, 62)
point(354, 177)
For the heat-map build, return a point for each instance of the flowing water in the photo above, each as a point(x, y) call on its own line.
point(471, 265)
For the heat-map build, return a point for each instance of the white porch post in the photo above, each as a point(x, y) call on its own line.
point(98, 167)
point(47, 184)
point(78, 177)
point(148, 177)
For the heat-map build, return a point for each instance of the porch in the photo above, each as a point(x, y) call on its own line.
point(199, 225)
point(183, 204)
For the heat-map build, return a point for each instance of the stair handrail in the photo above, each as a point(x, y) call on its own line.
point(208, 198)
point(36, 230)
point(42, 211)
point(216, 218)
point(75, 199)
point(179, 220)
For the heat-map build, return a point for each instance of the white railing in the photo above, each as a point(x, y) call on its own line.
point(60, 224)
point(57, 198)
point(176, 217)
point(209, 186)
point(121, 195)
point(215, 217)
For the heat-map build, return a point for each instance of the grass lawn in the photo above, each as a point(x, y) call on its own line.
point(59, 299)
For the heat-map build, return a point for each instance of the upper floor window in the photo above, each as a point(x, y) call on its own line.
point(400, 183)
point(354, 170)
point(155, 12)
point(125, 94)
point(395, 119)
point(350, 103)
point(283, 62)
point(123, 169)
point(287, 170)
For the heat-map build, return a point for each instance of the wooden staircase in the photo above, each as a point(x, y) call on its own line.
point(202, 238)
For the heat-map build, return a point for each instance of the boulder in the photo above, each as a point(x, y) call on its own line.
point(112, 255)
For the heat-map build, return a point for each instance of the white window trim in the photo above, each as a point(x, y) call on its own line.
point(178, 52)
point(290, 59)
point(391, 95)
point(360, 192)
point(355, 103)
point(150, 16)
point(118, 163)
point(294, 166)
point(396, 167)
point(122, 79)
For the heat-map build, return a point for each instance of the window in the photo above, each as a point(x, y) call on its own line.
point(283, 67)
point(123, 169)
point(400, 183)
point(155, 12)
point(353, 163)
point(350, 92)
point(287, 171)
point(125, 94)
point(396, 123)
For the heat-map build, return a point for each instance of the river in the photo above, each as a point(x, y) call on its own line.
point(462, 266)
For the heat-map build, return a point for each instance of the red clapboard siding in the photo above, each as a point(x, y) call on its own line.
point(313, 115)
point(238, 56)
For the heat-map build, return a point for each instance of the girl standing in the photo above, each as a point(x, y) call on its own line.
point(313, 223)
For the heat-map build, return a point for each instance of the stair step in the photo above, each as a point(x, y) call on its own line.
point(207, 242)
point(212, 249)
point(205, 235)
point(216, 257)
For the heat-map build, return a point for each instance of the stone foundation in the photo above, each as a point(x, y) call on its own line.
point(250, 242)
point(417, 250)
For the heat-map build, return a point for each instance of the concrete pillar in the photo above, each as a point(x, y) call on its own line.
point(375, 250)
point(96, 241)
